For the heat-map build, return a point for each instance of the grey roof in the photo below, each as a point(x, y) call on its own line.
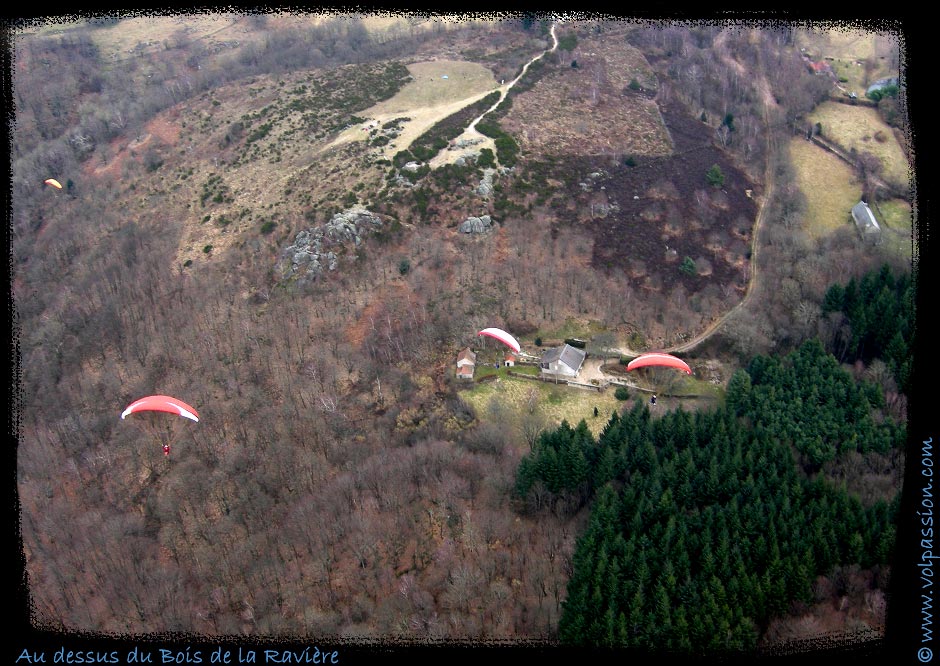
point(467, 354)
point(570, 356)
point(863, 216)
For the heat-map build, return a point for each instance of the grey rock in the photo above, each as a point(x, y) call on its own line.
point(304, 258)
point(476, 225)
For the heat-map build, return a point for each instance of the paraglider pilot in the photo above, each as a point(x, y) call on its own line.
point(166, 449)
point(653, 400)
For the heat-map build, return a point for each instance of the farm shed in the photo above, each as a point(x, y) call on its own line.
point(563, 361)
point(465, 372)
point(865, 222)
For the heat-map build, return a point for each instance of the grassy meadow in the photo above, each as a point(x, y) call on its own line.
point(557, 402)
point(829, 185)
point(862, 128)
point(897, 221)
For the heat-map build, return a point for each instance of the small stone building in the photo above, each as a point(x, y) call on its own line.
point(866, 223)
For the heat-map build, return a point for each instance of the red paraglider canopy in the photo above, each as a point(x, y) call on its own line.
point(502, 336)
point(659, 358)
point(161, 403)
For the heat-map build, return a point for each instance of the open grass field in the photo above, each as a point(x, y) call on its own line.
point(557, 402)
point(831, 189)
point(861, 128)
point(560, 402)
point(829, 185)
point(438, 82)
point(896, 214)
point(896, 218)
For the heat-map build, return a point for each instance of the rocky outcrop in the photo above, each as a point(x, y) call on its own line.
point(310, 253)
point(467, 159)
point(485, 188)
point(476, 225)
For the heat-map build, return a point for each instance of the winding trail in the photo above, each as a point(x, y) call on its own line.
point(768, 103)
point(471, 135)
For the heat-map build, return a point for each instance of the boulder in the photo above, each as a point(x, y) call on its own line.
point(476, 225)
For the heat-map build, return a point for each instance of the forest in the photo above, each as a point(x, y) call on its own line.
point(338, 482)
point(703, 526)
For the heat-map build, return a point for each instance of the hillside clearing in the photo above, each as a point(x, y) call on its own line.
point(439, 88)
point(860, 128)
point(557, 402)
point(573, 110)
point(829, 185)
point(858, 56)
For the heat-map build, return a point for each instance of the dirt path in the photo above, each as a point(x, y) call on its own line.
point(769, 103)
point(422, 119)
point(471, 136)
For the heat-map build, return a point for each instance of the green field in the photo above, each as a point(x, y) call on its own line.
point(831, 189)
point(829, 185)
point(861, 128)
point(896, 219)
point(556, 401)
point(560, 402)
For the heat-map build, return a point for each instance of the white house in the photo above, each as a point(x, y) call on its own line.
point(562, 361)
point(466, 363)
point(466, 357)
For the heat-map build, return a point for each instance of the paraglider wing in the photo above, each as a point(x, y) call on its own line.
point(502, 336)
point(52, 181)
point(161, 403)
point(659, 358)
